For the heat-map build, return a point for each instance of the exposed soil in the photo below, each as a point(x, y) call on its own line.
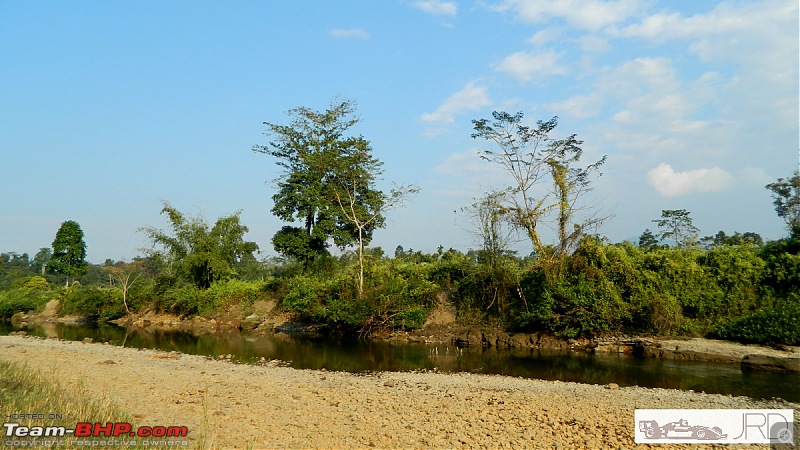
point(226, 405)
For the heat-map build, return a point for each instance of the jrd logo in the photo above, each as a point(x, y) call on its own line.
point(773, 426)
point(734, 426)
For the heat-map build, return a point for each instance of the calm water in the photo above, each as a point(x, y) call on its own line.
point(355, 356)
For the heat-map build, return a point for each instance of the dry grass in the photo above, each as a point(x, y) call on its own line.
point(28, 391)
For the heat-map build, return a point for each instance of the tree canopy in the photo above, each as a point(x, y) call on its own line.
point(198, 253)
point(328, 180)
point(786, 198)
point(69, 251)
point(530, 155)
point(676, 225)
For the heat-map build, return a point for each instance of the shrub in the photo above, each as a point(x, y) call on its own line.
point(20, 300)
point(101, 303)
point(778, 324)
point(301, 296)
point(224, 294)
point(35, 283)
point(182, 300)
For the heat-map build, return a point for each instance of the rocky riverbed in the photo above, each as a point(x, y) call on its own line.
point(226, 405)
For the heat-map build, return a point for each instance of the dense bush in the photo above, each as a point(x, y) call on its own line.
point(21, 300)
point(220, 298)
point(778, 324)
point(183, 300)
point(223, 295)
point(35, 283)
point(100, 303)
point(397, 295)
point(736, 290)
point(782, 266)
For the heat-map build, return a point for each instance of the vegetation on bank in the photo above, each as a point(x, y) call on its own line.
point(739, 292)
point(670, 282)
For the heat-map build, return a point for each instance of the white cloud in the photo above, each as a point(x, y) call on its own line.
point(526, 66)
point(756, 176)
point(436, 7)
point(544, 36)
point(593, 44)
point(465, 163)
point(584, 14)
point(761, 36)
point(470, 98)
point(670, 183)
point(579, 106)
point(349, 33)
point(469, 174)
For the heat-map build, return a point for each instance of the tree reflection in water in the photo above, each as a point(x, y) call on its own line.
point(371, 356)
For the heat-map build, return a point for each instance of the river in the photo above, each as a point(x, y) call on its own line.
point(375, 356)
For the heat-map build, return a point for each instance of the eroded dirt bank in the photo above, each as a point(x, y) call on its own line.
point(240, 406)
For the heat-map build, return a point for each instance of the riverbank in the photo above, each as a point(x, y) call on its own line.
point(441, 327)
point(268, 406)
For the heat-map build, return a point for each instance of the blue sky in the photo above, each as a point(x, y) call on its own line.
point(108, 108)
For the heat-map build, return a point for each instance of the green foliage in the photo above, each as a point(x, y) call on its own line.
point(721, 239)
point(296, 243)
point(778, 324)
point(786, 198)
point(319, 161)
point(397, 296)
point(21, 300)
point(69, 251)
point(676, 225)
point(648, 240)
point(35, 283)
point(41, 260)
point(604, 288)
point(782, 266)
point(530, 155)
point(302, 295)
point(195, 253)
point(223, 295)
point(183, 300)
point(101, 303)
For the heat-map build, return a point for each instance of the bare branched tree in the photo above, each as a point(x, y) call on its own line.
point(530, 156)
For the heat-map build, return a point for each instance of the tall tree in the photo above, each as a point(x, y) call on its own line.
point(676, 225)
point(42, 259)
point(786, 198)
point(311, 149)
point(361, 204)
point(198, 253)
point(69, 251)
point(648, 240)
point(531, 156)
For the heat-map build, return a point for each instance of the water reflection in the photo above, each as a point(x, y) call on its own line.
point(355, 356)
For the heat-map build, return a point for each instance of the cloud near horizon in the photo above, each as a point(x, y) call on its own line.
point(670, 183)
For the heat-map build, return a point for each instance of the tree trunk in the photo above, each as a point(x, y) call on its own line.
point(360, 263)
